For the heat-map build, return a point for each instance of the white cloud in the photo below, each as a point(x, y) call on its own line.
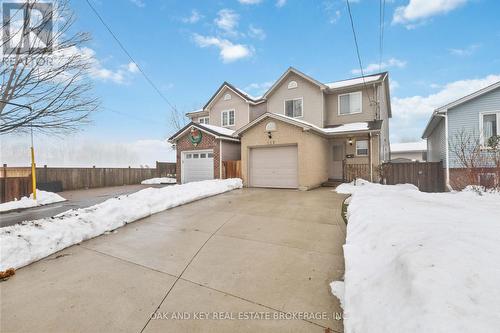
point(138, 3)
point(392, 62)
point(193, 18)
point(250, 2)
point(332, 11)
point(410, 114)
point(393, 85)
point(81, 151)
point(132, 67)
point(257, 33)
point(227, 21)
point(418, 10)
point(280, 3)
point(259, 88)
point(229, 51)
point(464, 52)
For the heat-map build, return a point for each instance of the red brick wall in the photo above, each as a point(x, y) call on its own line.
point(460, 178)
point(207, 142)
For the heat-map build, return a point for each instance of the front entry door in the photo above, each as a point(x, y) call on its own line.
point(336, 167)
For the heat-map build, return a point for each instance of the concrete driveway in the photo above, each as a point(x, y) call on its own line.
point(250, 253)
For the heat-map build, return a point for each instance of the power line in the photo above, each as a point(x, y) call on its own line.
point(357, 50)
point(130, 57)
point(381, 33)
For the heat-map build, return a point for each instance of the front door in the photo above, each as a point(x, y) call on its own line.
point(336, 163)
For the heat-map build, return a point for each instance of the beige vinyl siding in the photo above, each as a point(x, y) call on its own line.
point(332, 111)
point(236, 103)
point(257, 110)
point(230, 151)
point(312, 107)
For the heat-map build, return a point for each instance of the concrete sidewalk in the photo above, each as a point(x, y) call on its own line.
point(75, 199)
point(242, 252)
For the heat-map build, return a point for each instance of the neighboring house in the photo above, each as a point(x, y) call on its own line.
point(409, 152)
point(476, 115)
point(299, 134)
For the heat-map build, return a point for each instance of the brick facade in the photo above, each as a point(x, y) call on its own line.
point(208, 142)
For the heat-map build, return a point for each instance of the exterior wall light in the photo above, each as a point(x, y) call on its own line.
point(270, 128)
point(349, 140)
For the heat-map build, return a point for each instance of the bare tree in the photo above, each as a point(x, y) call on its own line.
point(475, 158)
point(51, 77)
point(177, 119)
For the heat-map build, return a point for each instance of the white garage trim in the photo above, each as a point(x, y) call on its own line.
point(273, 166)
point(206, 170)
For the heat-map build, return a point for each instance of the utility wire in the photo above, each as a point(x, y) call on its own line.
point(381, 32)
point(357, 50)
point(130, 57)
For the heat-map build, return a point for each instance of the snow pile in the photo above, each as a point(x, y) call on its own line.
point(162, 180)
point(42, 198)
point(24, 243)
point(421, 262)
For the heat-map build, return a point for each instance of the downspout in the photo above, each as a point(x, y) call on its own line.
point(370, 158)
point(447, 150)
point(220, 159)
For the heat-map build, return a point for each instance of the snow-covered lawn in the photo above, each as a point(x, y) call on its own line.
point(42, 198)
point(24, 243)
point(420, 262)
point(162, 180)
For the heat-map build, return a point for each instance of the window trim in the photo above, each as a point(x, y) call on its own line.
point(204, 117)
point(367, 147)
point(227, 97)
point(360, 92)
point(481, 123)
point(292, 84)
point(222, 118)
point(294, 99)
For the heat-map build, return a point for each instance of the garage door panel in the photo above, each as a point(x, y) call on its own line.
point(197, 169)
point(274, 167)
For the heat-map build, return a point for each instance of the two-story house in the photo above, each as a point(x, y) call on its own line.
point(464, 126)
point(299, 134)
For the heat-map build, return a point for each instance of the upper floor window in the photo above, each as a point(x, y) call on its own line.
point(227, 97)
point(228, 118)
point(293, 107)
point(362, 147)
point(292, 84)
point(489, 124)
point(350, 103)
point(203, 120)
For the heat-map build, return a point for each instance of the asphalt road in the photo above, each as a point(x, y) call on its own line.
point(75, 199)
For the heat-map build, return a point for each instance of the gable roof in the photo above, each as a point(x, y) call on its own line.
point(433, 121)
point(357, 81)
point(297, 72)
point(218, 132)
point(237, 91)
point(360, 127)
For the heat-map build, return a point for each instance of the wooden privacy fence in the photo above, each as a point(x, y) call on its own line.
point(427, 176)
point(16, 182)
point(231, 169)
point(166, 169)
point(353, 171)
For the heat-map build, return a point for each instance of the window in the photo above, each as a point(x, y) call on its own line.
point(293, 107)
point(210, 155)
point(362, 147)
point(195, 155)
point(188, 155)
point(227, 97)
point(292, 85)
point(489, 126)
point(350, 103)
point(228, 118)
point(203, 155)
point(203, 120)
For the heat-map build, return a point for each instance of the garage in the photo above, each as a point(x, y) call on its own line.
point(197, 165)
point(273, 167)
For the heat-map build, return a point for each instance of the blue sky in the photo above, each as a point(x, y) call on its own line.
point(435, 51)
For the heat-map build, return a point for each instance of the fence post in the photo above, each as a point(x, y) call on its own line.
point(4, 187)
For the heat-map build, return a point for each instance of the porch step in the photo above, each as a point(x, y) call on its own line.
point(331, 183)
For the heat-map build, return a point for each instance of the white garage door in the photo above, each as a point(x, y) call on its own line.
point(274, 167)
point(197, 165)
